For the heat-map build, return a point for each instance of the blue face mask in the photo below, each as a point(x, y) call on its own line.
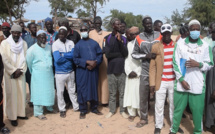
point(84, 34)
point(194, 34)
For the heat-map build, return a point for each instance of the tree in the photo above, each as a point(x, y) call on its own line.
point(13, 9)
point(61, 8)
point(91, 7)
point(129, 18)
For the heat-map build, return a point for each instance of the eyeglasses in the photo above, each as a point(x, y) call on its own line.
point(165, 27)
point(83, 30)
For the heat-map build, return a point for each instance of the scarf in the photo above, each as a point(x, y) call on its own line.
point(17, 48)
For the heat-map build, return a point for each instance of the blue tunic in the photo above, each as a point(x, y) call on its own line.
point(39, 61)
point(30, 40)
point(87, 80)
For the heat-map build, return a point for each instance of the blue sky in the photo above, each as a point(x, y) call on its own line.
point(157, 9)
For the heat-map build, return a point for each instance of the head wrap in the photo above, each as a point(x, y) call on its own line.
point(63, 27)
point(114, 20)
point(6, 24)
point(40, 32)
point(16, 27)
point(166, 28)
point(193, 22)
point(48, 19)
point(134, 30)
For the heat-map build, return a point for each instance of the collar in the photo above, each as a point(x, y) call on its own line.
point(199, 41)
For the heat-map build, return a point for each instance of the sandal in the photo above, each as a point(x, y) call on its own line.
point(131, 118)
point(63, 114)
point(141, 123)
point(5, 130)
point(42, 117)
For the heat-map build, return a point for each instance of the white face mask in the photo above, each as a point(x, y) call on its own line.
point(43, 45)
point(84, 34)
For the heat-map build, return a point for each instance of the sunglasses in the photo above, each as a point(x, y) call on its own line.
point(165, 27)
point(83, 30)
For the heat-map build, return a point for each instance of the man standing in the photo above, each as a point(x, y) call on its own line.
point(75, 37)
point(115, 49)
point(133, 71)
point(142, 51)
point(6, 31)
point(24, 32)
point(98, 35)
point(3, 129)
point(157, 25)
point(39, 60)
point(30, 40)
point(13, 55)
point(87, 57)
point(162, 76)
point(192, 57)
point(51, 34)
point(63, 55)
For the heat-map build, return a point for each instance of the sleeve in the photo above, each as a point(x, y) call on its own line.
point(24, 64)
point(58, 58)
point(208, 59)
point(1, 69)
point(128, 69)
point(123, 48)
point(69, 55)
point(77, 57)
point(152, 69)
point(99, 56)
point(136, 54)
point(107, 50)
point(138, 69)
point(29, 59)
point(9, 68)
point(176, 63)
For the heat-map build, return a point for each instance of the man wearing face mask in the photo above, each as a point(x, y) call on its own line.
point(39, 61)
point(87, 57)
point(6, 31)
point(191, 59)
point(13, 51)
point(210, 84)
point(142, 51)
point(64, 73)
point(98, 35)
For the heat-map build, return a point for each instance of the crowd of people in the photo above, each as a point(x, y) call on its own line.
point(98, 67)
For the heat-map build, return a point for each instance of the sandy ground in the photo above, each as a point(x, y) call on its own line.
point(72, 124)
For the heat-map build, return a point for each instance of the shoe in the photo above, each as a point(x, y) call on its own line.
point(109, 115)
point(52, 112)
point(14, 123)
point(63, 114)
point(131, 118)
point(42, 117)
point(82, 115)
point(5, 130)
point(180, 130)
point(157, 131)
point(22, 118)
point(124, 115)
point(97, 112)
point(141, 123)
point(172, 133)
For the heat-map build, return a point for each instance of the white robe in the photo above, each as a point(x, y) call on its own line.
point(15, 89)
point(131, 95)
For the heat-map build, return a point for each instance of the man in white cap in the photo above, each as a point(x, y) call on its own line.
point(64, 73)
point(13, 51)
point(162, 76)
point(39, 60)
point(191, 59)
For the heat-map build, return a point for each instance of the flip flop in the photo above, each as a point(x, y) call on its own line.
point(131, 118)
point(141, 124)
point(42, 117)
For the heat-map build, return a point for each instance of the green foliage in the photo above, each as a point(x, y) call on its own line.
point(91, 7)
point(129, 18)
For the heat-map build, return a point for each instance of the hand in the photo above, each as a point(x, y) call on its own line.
point(191, 63)
point(89, 67)
point(92, 63)
point(213, 95)
point(118, 36)
point(152, 90)
point(151, 56)
point(17, 73)
point(185, 85)
point(132, 75)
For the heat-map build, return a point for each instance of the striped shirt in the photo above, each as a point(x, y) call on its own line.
point(168, 73)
